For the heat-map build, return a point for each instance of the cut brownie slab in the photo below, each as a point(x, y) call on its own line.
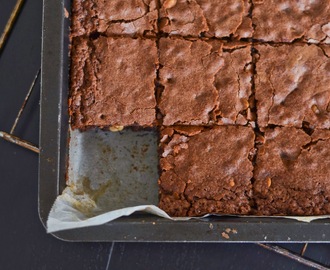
point(115, 17)
point(204, 82)
point(210, 18)
point(206, 170)
point(112, 82)
point(285, 21)
point(293, 86)
point(292, 173)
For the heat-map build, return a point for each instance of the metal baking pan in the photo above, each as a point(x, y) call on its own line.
point(139, 227)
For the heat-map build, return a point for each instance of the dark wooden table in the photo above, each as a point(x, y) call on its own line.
point(24, 243)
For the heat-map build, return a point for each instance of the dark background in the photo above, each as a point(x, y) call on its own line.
point(24, 243)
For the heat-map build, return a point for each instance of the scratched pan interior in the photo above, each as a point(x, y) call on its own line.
point(138, 227)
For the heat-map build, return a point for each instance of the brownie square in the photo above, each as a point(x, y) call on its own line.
point(112, 82)
point(206, 170)
point(210, 18)
point(204, 83)
point(293, 86)
point(285, 21)
point(115, 17)
point(292, 173)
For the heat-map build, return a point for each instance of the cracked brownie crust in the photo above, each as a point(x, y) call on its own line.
point(292, 173)
point(204, 82)
point(210, 80)
point(285, 21)
point(115, 17)
point(187, 74)
point(206, 170)
point(233, 83)
point(292, 85)
point(210, 18)
point(110, 85)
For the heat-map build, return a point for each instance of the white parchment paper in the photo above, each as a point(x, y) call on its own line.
point(110, 175)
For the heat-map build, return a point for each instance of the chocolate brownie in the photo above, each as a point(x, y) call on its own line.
point(233, 83)
point(115, 17)
point(285, 21)
point(203, 83)
point(206, 170)
point(210, 18)
point(112, 82)
point(188, 63)
point(292, 173)
point(293, 86)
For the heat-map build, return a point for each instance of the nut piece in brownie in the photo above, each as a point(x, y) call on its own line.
point(112, 82)
point(210, 18)
point(293, 86)
point(206, 170)
point(204, 82)
point(292, 173)
point(115, 17)
point(285, 21)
